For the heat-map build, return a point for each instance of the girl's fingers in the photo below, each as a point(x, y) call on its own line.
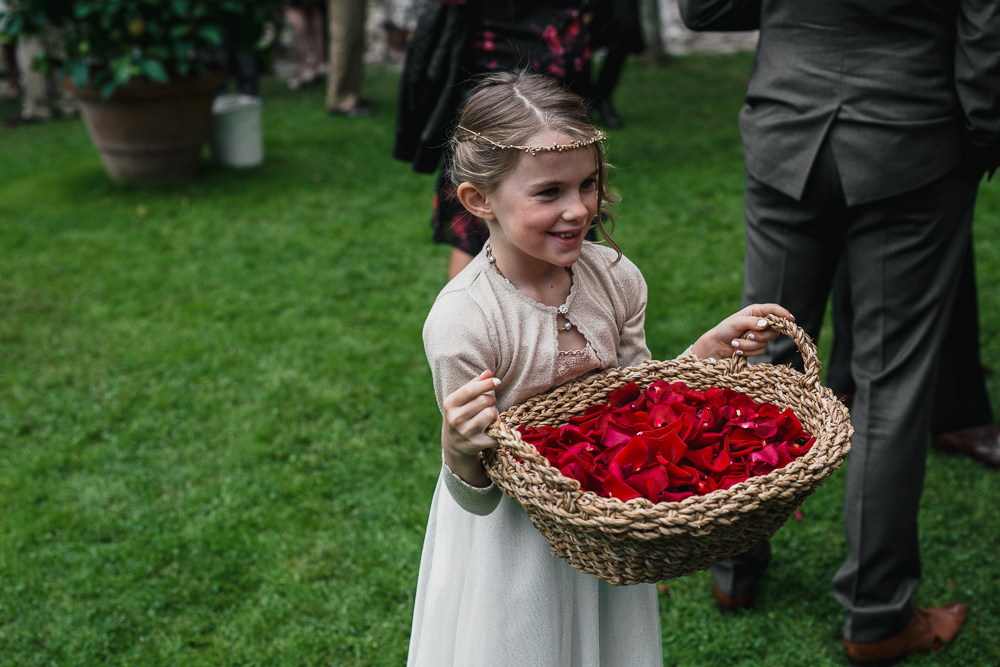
point(479, 423)
point(762, 336)
point(484, 384)
point(461, 414)
point(748, 348)
point(473, 432)
point(762, 309)
point(744, 325)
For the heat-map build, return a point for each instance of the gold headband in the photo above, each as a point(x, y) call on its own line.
point(559, 148)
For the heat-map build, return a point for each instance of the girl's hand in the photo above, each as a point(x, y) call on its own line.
point(467, 412)
point(745, 333)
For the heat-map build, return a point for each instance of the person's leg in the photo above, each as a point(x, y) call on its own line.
point(961, 416)
point(737, 577)
point(347, 41)
point(838, 369)
point(960, 397)
point(35, 102)
point(10, 63)
point(60, 101)
point(607, 80)
point(317, 37)
point(904, 257)
point(792, 249)
point(295, 17)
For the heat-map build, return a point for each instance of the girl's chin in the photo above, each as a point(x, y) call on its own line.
point(566, 257)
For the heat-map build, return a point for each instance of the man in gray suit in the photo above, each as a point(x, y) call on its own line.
point(867, 127)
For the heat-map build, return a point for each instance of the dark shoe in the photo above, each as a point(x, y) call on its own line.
point(981, 443)
point(361, 109)
point(732, 602)
point(19, 119)
point(609, 116)
point(303, 78)
point(928, 630)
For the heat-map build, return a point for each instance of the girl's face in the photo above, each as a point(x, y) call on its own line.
point(544, 207)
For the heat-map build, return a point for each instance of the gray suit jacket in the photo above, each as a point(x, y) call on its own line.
point(905, 90)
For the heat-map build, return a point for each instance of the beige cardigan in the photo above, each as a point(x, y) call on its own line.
point(481, 322)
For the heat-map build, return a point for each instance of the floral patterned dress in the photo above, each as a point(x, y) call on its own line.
point(546, 36)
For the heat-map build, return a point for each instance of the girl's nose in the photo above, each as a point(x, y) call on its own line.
point(576, 209)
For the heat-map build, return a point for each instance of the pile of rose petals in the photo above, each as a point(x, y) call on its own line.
point(669, 442)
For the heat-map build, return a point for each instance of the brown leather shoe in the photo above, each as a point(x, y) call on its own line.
point(981, 443)
point(928, 630)
point(732, 602)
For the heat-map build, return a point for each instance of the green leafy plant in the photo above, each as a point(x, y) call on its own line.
point(108, 43)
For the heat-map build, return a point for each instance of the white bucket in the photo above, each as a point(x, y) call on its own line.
point(237, 139)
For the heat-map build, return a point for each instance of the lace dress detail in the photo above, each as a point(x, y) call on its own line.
point(574, 363)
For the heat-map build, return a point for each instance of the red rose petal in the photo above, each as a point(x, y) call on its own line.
point(667, 448)
point(702, 459)
point(670, 497)
point(616, 487)
point(617, 434)
point(669, 442)
point(799, 450)
point(624, 395)
point(681, 474)
point(635, 453)
point(654, 480)
point(766, 454)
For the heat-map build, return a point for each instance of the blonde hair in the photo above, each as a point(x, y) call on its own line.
point(511, 108)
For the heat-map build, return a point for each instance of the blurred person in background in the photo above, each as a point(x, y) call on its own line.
point(347, 68)
point(400, 22)
point(454, 42)
point(12, 87)
point(617, 28)
point(44, 96)
point(306, 17)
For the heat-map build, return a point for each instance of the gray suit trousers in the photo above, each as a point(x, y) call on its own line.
point(904, 254)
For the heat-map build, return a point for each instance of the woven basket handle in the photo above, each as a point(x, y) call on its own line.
point(806, 347)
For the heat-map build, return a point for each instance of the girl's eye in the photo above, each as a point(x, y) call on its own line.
point(589, 184)
point(549, 192)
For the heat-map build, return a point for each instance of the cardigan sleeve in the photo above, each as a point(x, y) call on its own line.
point(458, 349)
point(457, 342)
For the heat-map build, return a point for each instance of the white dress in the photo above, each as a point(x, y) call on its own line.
point(489, 593)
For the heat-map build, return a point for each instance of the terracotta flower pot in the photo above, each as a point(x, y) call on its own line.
point(151, 132)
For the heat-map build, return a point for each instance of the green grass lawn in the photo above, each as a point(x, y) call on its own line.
point(218, 435)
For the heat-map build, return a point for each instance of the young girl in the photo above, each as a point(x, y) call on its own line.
point(537, 307)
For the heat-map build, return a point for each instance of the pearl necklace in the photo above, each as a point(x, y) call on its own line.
point(562, 310)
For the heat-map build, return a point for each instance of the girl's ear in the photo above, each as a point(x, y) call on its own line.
point(475, 201)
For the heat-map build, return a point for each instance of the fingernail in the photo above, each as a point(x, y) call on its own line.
point(739, 352)
point(496, 382)
point(790, 316)
point(750, 336)
point(762, 322)
point(736, 343)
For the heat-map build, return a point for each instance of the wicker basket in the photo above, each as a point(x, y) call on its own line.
point(639, 541)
